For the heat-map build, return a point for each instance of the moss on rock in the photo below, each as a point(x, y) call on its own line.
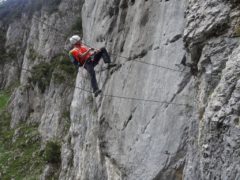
point(237, 31)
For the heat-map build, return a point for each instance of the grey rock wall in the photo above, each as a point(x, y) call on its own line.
point(41, 45)
point(112, 138)
point(151, 123)
point(211, 40)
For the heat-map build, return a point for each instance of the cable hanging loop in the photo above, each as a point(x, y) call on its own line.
point(121, 97)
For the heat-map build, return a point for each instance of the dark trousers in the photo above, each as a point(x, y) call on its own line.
point(90, 64)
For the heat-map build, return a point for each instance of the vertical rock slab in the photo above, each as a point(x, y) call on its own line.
point(121, 138)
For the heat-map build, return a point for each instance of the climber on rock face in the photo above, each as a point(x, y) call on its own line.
point(81, 55)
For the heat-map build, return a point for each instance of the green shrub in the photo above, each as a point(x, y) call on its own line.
point(32, 54)
point(4, 55)
point(64, 69)
point(12, 86)
point(77, 26)
point(60, 69)
point(66, 121)
point(66, 114)
point(62, 62)
point(2, 48)
point(41, 75)
point(52, 153)
point(12, 54)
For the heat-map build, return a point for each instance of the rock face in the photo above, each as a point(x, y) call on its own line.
point(169, 109)
point(114, 138)
point(211, 39)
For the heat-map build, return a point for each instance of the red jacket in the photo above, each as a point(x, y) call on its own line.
point(78, 51)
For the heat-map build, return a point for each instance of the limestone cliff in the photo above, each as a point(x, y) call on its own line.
point(169, 109)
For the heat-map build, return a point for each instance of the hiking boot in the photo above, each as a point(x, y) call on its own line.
point(97, 92)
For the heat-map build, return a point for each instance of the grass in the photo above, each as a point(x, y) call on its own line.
point(4, 97)
point(18, 147)
point(18, 150)
point(21, 156)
